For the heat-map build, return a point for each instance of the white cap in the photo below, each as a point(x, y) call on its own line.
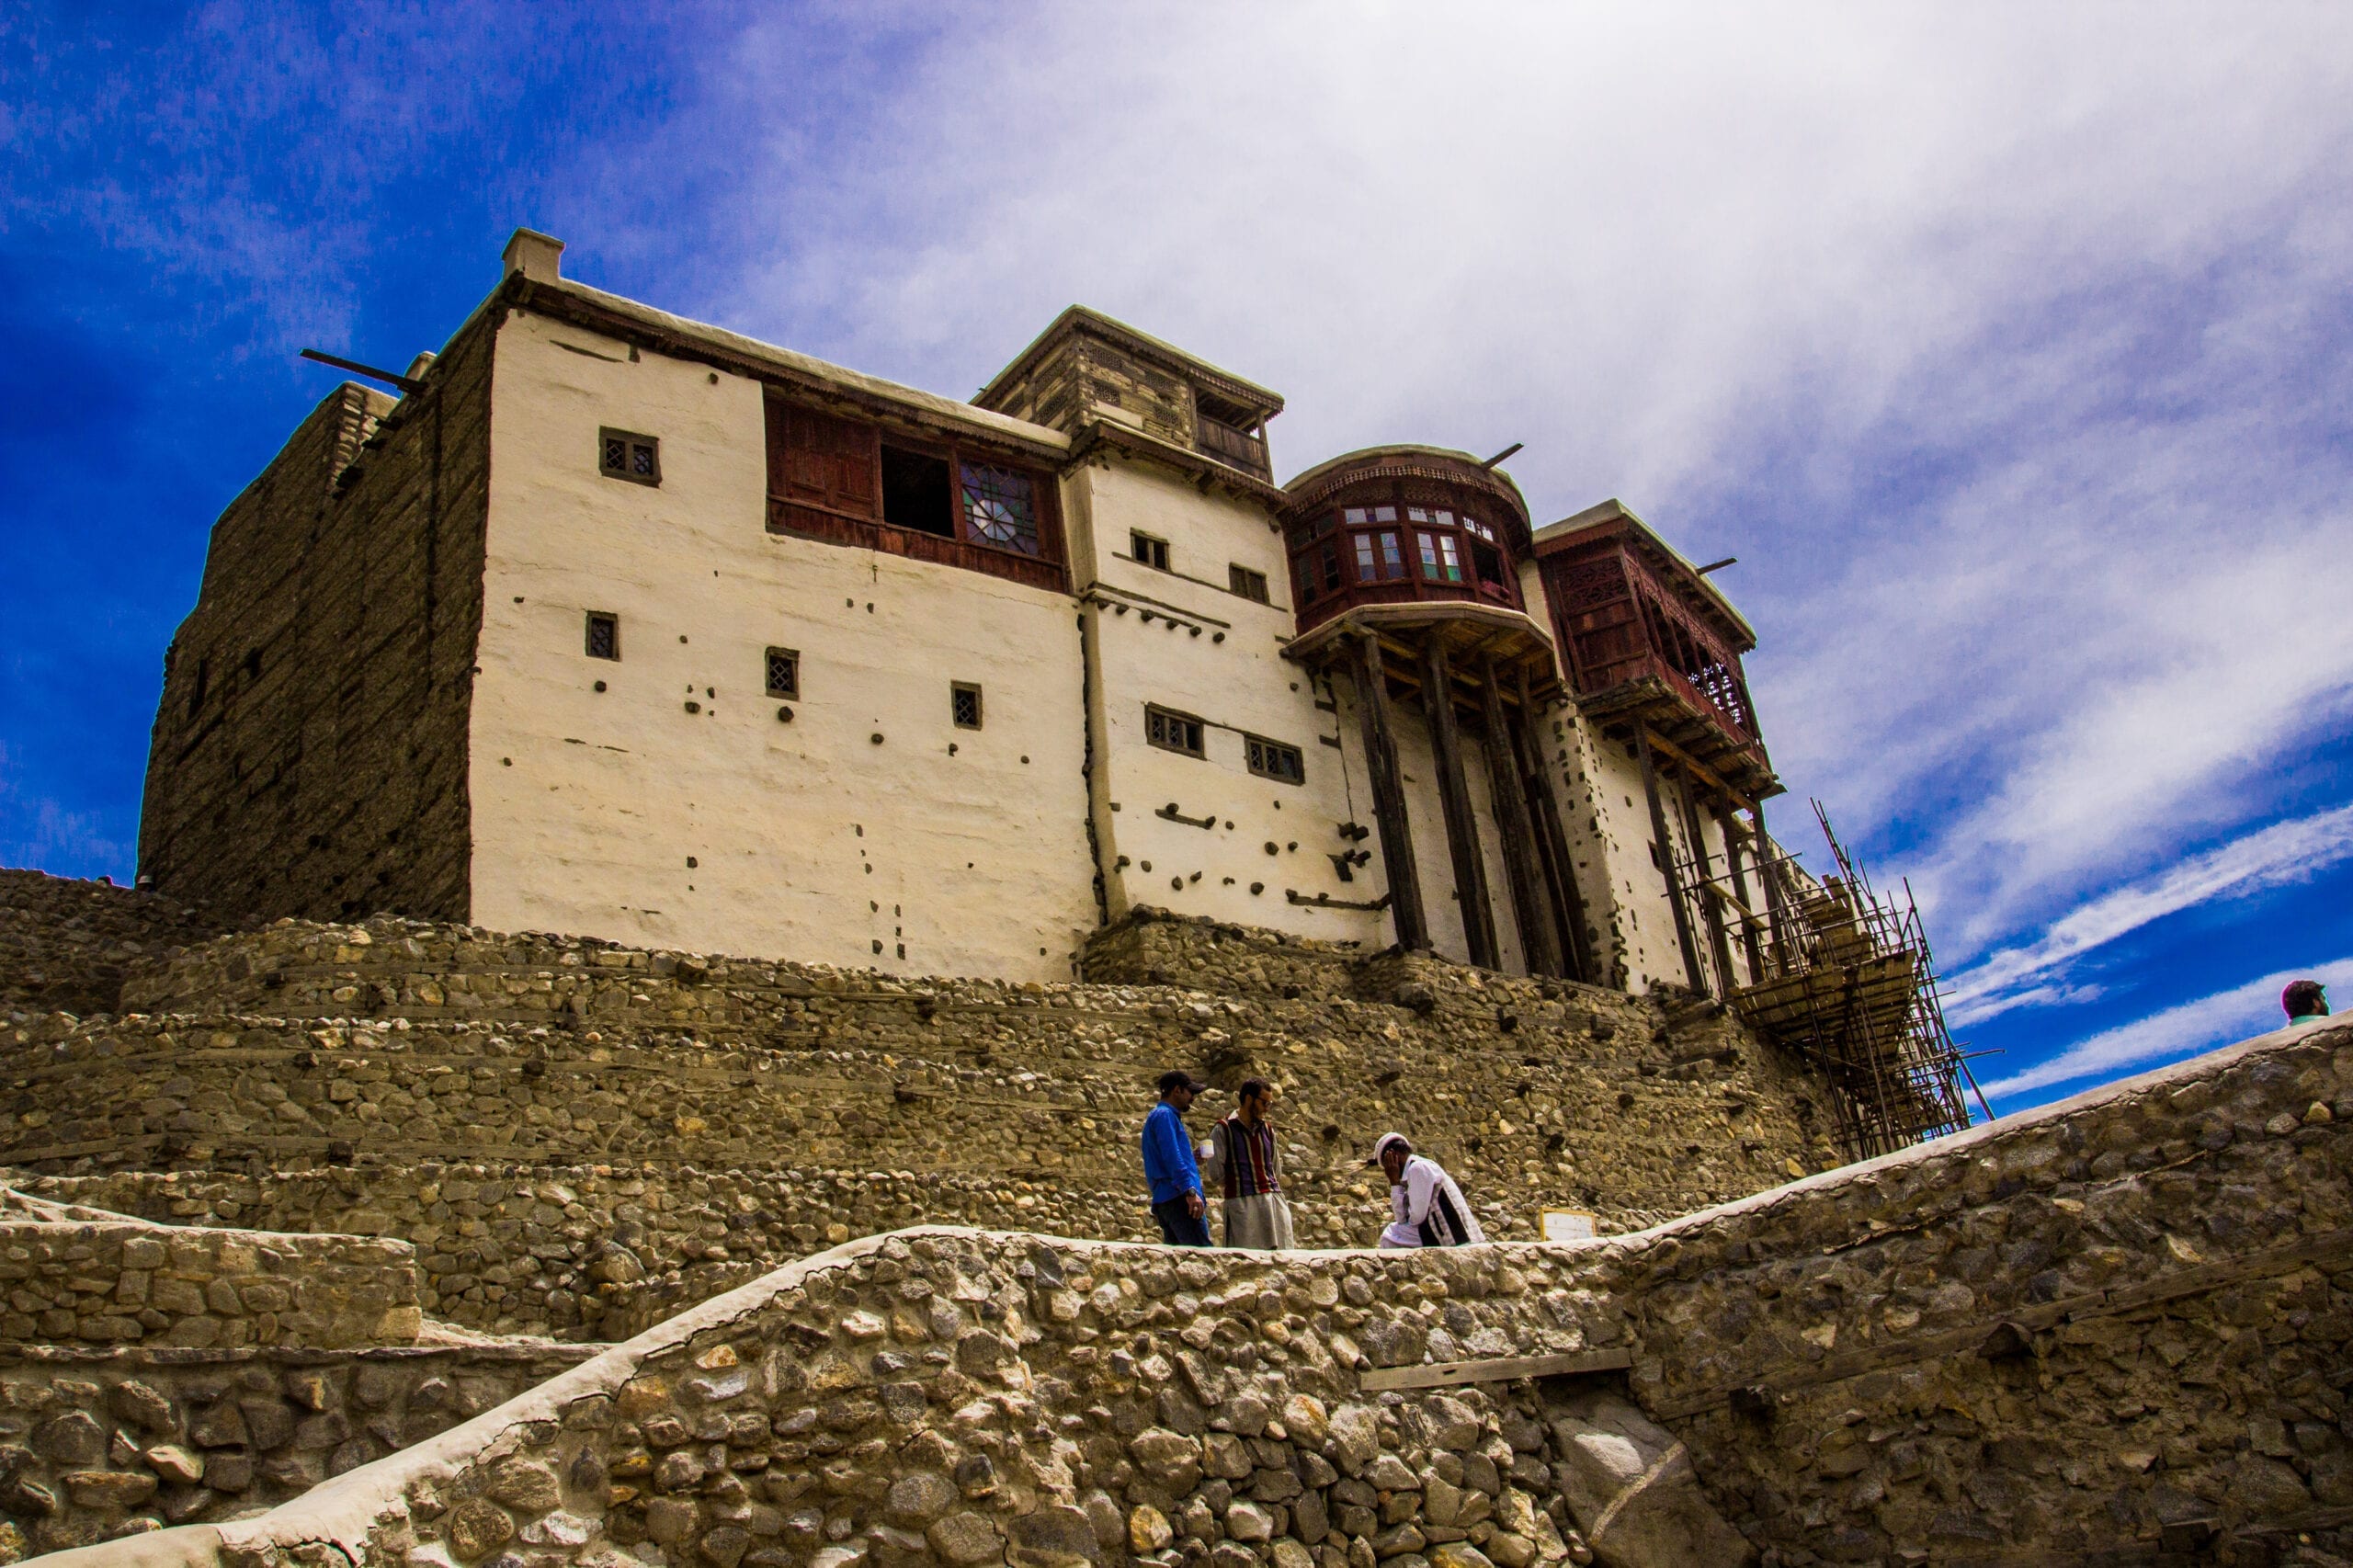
point(1381, 1147)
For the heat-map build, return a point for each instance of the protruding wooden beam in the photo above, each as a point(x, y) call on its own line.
point(1538, 942)
point(1388, 794)
point(1501, 1369)
point(1665, 842)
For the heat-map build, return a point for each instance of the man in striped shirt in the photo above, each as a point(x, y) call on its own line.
point(1242, 1156)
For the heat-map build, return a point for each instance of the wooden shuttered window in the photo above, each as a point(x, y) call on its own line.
point(848, 482)
point(816, 460)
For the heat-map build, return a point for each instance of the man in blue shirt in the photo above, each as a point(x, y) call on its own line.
point(1168, 1167)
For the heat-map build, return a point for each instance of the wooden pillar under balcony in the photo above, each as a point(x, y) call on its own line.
point(1538, 944)
point(1553, 843)
point(1388, 795)
point(1703, 888)
point(1769, 871)
point(1739, 873)
point(1454, 798)
point(1665, 849)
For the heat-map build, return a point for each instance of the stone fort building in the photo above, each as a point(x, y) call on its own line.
point(622, 625)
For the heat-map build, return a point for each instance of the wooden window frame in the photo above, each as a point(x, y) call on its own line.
point(611, 621)
point(1148, 549)
point(824, 480)
point(1247, 582)
point(962, 688)
point(1191, 731)
point(632, 443)
point(1256, 749)
point(791, 688)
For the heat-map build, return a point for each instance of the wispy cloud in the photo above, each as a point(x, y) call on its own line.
point(2284, 853)
point(2205, 1024)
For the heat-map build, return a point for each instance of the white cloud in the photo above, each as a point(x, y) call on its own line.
point(2082, 276)
point(2278, 855)
point(2211, 1022)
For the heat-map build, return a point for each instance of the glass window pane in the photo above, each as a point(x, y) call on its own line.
point(1355, 514)
point(1384, 514)
point(1417, 513)
point(1000, 508)
point(1393, 558)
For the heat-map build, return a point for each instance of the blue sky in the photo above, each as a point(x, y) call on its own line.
point(2008, 347)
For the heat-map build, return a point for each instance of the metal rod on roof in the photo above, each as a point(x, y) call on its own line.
point(1718, 565)
point(1501, 455)
point(404, 383)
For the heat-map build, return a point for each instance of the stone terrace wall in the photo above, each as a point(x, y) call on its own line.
point(651, 1127)
point(1569, 1094)
point(2097, 1333)
point(1153, 947)
point(95, 1444)
point(2170, 1257)
point(100, 1283)
point(66, 945)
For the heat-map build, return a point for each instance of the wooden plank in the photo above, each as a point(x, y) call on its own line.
point(1454, 801)
point(1388, 795)
point(1500, 1370)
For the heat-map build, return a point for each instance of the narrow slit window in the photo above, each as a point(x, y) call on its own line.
point(964, 704)
point(1150, 550)
point(1173, 731)
point(1272, 759)
point(1248, 583)
point(624, 454)
point(604, 635)
point(784, 672)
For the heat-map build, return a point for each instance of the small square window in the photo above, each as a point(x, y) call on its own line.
point(604, 635)
point(1150, 550)
point(1248, 583)
point(1172, 731)
point(964, 704)
point(784, 672)
point(1272, 759)
point(622, 454)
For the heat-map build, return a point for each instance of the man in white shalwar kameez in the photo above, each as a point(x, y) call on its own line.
point(1430, 1211)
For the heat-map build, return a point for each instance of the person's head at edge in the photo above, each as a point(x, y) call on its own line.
point(2305, 999)
point(1255, 1099)
point(1390, 1155)
point(1178, 1088)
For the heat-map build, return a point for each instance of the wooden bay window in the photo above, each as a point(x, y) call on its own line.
point(850, 481)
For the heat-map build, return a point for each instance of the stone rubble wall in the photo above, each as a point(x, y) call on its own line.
point(1152, 947)
point(1575, 1096)
point(95, 1283)
point(66, 945)
point(308, 755)
point(99, 1443)
point(2094, 1333)
point(652, 1128)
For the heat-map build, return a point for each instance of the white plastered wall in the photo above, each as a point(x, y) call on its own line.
point(810, 839)
point(1239, 685)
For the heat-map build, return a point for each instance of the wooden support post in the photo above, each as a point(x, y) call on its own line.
point(1666, 845)
point(1769, 871)
point(1537, 943)
point(1560, 872)
point(1739, 871)
point(1388, 795)
point(1710, 912)
point(1454, 797)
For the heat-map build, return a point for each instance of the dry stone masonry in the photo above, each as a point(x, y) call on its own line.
point(2109, 1331)
point(580, 1139)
